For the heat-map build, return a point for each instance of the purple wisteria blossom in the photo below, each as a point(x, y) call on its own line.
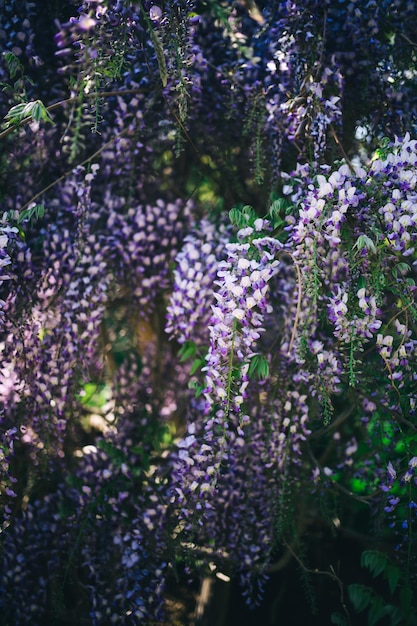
point(121, 460)
point(143, 243)
point(331, 199)
point(237, 316)
point(197, 264)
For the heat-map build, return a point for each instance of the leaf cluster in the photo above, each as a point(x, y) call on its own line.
point(399, 607)
point(24, 112)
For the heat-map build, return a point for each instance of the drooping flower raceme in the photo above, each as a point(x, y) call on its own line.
point(143, 242)
point(231, 464)
point(189, 307)
point(237, 318)
point(235, 326)
point(4, 256)
point(380, 222)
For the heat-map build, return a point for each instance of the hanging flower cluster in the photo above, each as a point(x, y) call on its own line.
point(236, 322)
point(314, 109)
point(81, 537)
point(197, 264)
point(116, 454)
point(354, 241)
point(347, 285)
point(400, 503)
point(237, 454)
point(144, 242)
point(4, 256)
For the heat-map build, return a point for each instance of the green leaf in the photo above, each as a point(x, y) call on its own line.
point(35, 112)
point(198, 389)
point(400, 268)
point(16, 113)
point(242, 216)
point(360, 596)
point(276, 210)
point(375, 561)
point(4, 86)
point(377, 611)
point(258, 367)
point(197, 364)
point(187, 350)
point(136, 450)
point(406, 598)
point(339, 619)
point(364, 241)
point(14, 66)
point(236, 217)
point(396, 615)
point(383, 150)
point(25, 110)
point(358, 485)
point(361, 282)
point(278, 206)
point(35, 212)
point(249, 214)
point(392, 574)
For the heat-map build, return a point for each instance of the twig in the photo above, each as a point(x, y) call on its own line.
point(281, 564)
point(408, 40)
point(337, 422)
point(332, 574)
point(342, 150)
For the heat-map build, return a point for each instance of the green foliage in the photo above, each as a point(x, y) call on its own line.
point(277, 212)
point(398, 608)
point(360, 596)
point(14, 66)
point(16, 73)
point(242, 216)
point(259, 367)
point(94, 396)
point(196, 366)
point(383, 150)
point(375, 561)
point(26, 111)
point(35, 213)
point(198, 388)
point(187, 350)
point(366, 242)
point(358, 486)
point(338, 619)
point(31, 214)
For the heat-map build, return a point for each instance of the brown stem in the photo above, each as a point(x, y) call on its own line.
point(332, 574)
point(342, 150)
